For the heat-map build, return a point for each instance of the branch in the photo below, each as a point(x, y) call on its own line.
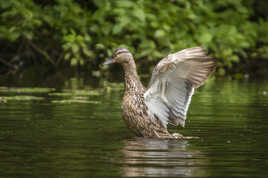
point(7, 63)
point(60, 58)
point(44, 53)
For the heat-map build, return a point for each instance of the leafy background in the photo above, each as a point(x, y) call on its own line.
point(48, 36)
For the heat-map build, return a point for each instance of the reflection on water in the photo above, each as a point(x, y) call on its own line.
point(145, 157)
point(80, 133)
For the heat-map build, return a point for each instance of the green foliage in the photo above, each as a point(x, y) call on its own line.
point(75, 46)
point(84, 33)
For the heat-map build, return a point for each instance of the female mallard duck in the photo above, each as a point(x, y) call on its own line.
point(147, 112)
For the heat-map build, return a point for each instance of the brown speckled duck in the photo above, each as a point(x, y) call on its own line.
point(147, 112)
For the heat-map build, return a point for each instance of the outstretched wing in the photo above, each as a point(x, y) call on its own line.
point(172, 84)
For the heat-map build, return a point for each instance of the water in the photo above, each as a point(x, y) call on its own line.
point(76, 133)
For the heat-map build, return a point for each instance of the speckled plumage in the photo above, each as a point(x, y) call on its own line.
point(134, 110)
point(148, 111)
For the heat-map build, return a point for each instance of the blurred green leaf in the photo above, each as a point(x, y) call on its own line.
point(74, 62)
point(205, 38)
point(67, 56)
point(230, 30)
point(75, 48)
point(159, 33)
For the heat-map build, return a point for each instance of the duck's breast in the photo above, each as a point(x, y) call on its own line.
point(134, 113)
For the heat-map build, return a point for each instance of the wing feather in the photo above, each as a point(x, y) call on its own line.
point(172, 84)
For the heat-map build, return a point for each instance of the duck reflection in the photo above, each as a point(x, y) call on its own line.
point(161, 158)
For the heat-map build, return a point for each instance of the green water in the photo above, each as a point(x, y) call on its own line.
point(80, 133)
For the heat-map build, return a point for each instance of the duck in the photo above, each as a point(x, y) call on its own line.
point(147, 112)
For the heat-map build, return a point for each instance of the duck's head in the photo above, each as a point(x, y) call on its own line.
point(120, 55)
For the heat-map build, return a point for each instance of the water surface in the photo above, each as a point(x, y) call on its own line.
point(80, 133)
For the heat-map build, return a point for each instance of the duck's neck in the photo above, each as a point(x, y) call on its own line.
point(132, 80)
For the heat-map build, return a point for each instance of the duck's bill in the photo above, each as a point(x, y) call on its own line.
point(109, 61)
